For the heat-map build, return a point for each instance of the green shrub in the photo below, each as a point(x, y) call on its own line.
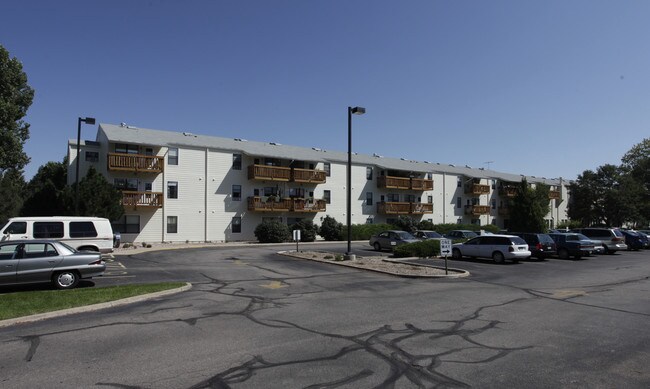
point(272, 231)
point(423, 249)
point(331, 230)
point(364, 231)
point(406, 223)
point(308, 230)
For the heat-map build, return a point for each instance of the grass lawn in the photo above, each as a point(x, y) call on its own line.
point(39, 301)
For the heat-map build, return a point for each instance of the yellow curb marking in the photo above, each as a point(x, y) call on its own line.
point(563, 294)
point(240, 262)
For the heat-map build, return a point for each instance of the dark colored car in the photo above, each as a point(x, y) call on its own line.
point(426, 234)
point(40, 261)
point(540, 245)
point(572, 245)
point(634, 240)
point(461, 234)
point(390, 239)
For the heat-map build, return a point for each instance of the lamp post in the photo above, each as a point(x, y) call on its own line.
point(76, 186)
point(356, 111)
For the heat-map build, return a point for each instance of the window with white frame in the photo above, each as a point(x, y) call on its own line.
point(127, 224)
point(172, 189)
point(236, 162)
point(327, 167)
point(368, 198)
point(92, 156)
point(235, 225)
point(327, 196)
point(368, 173)
point(172, 156)
point(236, 192)
point(125, 184)
point(459, 202)
point(172, 224)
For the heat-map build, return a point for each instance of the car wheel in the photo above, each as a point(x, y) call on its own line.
point(455, 254)
point(607, 250)
point(377, 246)
point(65, 279)
point(498, 257)
point(563, 254)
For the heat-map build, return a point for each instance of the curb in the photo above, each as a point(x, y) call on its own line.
point(93, 307)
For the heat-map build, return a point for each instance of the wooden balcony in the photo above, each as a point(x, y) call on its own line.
point(401, 208)
point(263, 204)
point(477, 189)
point(477, 210)
point(390, 182)
point(269, 173)
point(508, 191)
point(142, 199)
point(308, 176)
point(136, 163)
point(308, 205)
point(554, 195)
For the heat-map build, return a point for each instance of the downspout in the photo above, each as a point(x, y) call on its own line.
point(444, 200)
point(205, 199)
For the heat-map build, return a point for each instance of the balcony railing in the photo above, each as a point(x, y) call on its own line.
point(308, 205)
point(554, 195)
point(308, 176)
point(136, 163)
point(403, 208)
point(477, 209)
point(508, 191)
point(477, 189)
point(269, 204)
point(391, 182)
point(269, 173)
point(142, 199)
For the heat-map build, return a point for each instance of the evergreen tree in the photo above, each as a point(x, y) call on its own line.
point(529, 207)
point(97, 197)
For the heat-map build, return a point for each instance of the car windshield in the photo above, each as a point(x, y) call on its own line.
point(517, 240)
point(405, 235)
point(543, 238)
point(72, 249)
point(618, 233)
point(583, 237)
point(432, 234)
point(471, 234)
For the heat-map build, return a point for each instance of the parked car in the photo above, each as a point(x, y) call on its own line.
point(390, 239)
point(572, 245)
point(634, 240)
point(612, 239)
point(461, 234)
point(39, 261)
point(497, 247)
point(426, 234)
point(540, 245)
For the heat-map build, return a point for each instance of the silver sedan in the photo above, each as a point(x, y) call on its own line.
point(38, 261)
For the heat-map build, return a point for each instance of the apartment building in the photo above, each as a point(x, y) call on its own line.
point(178, 186)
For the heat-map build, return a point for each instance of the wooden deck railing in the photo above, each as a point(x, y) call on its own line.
point(142, 199)
point(309, 205)
point(477, 209)
point(391, 182)
point(257, 203)
point(554, 194)
point(136, 163)
point(403, 208)
point(477, 189)
point(308, 175)
point(270, 173)
point(508, 191)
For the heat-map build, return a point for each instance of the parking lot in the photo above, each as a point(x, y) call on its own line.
point(257, 319)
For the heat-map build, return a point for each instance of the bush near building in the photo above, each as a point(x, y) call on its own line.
point(272, 231)
point(330, 229)
point(308, 230)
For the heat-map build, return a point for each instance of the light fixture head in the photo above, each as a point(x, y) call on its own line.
point(88, 120)
point(358, 110)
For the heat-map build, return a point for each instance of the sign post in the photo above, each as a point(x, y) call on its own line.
point(296, 237)
point(445, 250)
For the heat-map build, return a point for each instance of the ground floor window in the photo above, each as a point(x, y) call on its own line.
point(172, 224)
point(127, 224)
point(236, 225)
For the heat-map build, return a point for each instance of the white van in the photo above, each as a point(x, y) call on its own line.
point(80, 232)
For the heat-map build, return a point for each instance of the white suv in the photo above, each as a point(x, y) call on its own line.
point(497, 247)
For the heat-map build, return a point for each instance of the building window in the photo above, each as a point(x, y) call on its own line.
point(236, 192)
point(393, 198)
point(172, 224)
point(327, 168)
point(494, 204)
point(368, 173)
point(127, 224)
point(430, 199)
point(92, 156)
point(235, 227)
point(236, 162)
point(126, 184)
point(409, 198)
point(460, 183)
point(369, 220)
point(459, 202)
point(172, 156)
point(430, 176)
point(368, 198)
point(148, 151)
point(327, 196)
point(172, 189)
point(124, 148)
point(148, 187)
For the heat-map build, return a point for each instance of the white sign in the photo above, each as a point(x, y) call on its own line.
point(296, 235)
point(445, 247)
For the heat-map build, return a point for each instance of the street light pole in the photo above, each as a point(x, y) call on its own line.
point(356, 111)
point(76, 186)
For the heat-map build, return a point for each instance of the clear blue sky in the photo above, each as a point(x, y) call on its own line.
point(544, 88)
